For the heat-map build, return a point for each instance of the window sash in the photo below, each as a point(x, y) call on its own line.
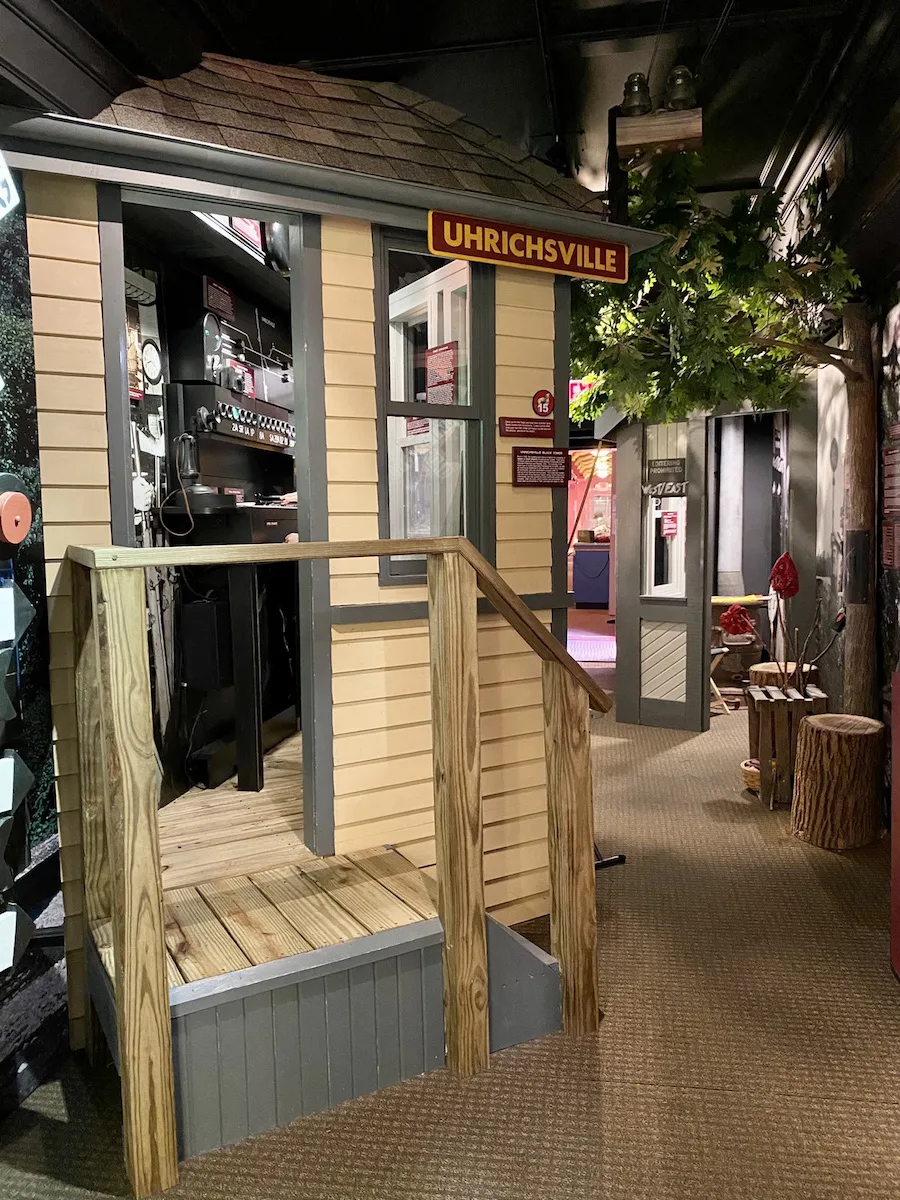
point(478, 413)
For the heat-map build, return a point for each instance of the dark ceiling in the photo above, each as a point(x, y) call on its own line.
point(543, 73)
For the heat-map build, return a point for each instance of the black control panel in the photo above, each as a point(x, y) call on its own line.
point(266, 430)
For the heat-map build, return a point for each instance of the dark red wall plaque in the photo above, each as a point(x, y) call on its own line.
point(540, 466)
point(538, 427)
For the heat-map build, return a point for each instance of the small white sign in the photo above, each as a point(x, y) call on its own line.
point(9, 195)
point(7, 614)
point(7, 782)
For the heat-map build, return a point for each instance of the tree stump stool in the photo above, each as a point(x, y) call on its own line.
point(838, 781)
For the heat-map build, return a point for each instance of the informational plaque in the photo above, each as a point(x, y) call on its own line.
point(218, 298)
point(440, 373)
point(535, 427)
point(540, 466)
point(669, 522)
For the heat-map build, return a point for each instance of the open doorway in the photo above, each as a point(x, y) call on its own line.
point(591, 557)
point(210, 441)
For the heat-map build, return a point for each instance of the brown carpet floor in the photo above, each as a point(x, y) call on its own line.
point(750, 1047)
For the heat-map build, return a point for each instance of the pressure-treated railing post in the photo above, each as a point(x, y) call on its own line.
point(453, 631)
point(573, 897)
point(128, 768)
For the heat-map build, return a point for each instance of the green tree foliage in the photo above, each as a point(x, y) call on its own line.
point(722, 311)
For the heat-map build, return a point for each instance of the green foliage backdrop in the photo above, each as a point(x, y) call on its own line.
point(720, 312)
point(19, 456)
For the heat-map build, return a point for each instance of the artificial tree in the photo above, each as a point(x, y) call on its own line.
point(727, 311)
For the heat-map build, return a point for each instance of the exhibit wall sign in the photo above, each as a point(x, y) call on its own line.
point(25, 723)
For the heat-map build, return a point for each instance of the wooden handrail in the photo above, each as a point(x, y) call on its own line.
point(117, 772)
point(491, 584)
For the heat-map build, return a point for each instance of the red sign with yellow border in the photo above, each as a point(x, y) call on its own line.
point(451, 235)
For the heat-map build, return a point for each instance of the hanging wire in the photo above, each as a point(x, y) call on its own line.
point(717, 33)
point(659, 30)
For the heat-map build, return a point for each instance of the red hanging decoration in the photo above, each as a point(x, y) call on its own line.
point(784, 578)
point(736, 621)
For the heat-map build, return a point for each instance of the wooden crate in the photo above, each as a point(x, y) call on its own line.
point(774, 722)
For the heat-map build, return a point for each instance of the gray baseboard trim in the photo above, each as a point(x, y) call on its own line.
point(238, 985)
point(524, 988)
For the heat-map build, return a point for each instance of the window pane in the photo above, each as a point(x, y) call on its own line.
point(665, 537)
point(429, 329)
point(426, 477)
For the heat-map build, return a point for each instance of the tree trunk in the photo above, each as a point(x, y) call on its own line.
point(838, 781)
point(860, 459)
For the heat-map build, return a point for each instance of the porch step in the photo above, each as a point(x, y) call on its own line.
point(260, 1047)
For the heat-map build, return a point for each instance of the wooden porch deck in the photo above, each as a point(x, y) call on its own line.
point(241, 888)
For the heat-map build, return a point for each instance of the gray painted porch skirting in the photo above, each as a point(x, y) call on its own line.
point(259, 1048)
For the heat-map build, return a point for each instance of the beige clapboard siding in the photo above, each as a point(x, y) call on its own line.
point(381, 679)
point(348, 307)
point(525, 362)
point(64, 260)
point(382, 745)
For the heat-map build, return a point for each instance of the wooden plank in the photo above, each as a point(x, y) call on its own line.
point(453, 634)
point(528, 626)
point(198, 942)
point(103, 558)
point(101, 931)
point(372, 905)
point(782, 735)
point(319, 918)
point(257, 926)
point(573, 888)
point(819, 699)
point(91, 836)
point(131, 793)
point(766, 746)
point(399, 876)
point(752, 723)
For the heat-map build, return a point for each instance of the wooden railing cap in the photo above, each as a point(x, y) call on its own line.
point(492, 585)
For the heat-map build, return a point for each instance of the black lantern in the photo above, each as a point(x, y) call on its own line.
point(636, 98)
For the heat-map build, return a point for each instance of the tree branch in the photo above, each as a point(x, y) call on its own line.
point(818, 353)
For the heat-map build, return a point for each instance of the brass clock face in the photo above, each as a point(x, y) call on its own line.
point(151, 361)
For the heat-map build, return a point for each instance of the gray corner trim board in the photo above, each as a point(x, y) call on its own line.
point(562, 319)
point(115, 364)
point(108, 145)
point(524, 989)
point(237, 985)
point(314, 586)
point(415, 610)
point(698, 573)
point(102, 997)
point(483, 324)
point(629, 465)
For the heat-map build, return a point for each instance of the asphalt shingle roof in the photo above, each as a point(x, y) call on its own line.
point(373, 128)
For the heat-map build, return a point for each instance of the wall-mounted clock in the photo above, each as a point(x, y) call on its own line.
point(151, 361)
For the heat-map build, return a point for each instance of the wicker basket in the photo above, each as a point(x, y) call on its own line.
point(751, 775)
